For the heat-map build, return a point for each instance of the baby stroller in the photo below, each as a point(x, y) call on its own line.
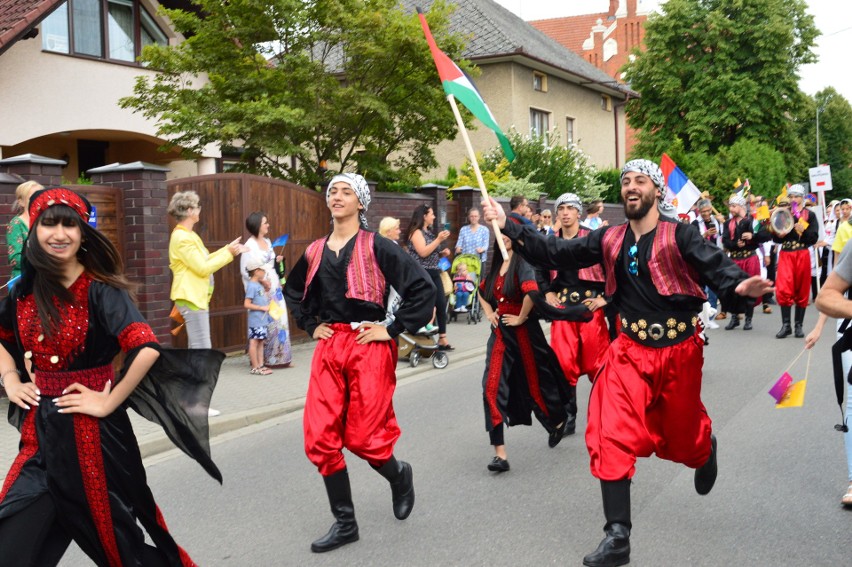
point(416, 346)
point(472, 309)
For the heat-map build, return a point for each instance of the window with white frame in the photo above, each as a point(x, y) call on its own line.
point(115, 30)
point(569, 131)
point(539, 123)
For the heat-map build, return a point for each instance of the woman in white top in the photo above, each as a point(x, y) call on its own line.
point(276, 349)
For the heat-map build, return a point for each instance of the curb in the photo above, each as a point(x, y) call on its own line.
point(155, 443)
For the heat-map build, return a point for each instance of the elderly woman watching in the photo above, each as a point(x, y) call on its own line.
point(193, 266)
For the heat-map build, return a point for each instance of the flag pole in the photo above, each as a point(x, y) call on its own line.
point(478, 173)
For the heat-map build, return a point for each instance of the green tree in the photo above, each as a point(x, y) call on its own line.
point(835, 139)
point(298, 85)
point(716, 71)
point(557, 168)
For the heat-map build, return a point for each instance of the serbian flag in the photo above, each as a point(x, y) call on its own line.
point(459, 85)
point(682, 192)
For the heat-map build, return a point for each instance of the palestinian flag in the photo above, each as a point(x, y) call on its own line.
point(458, 84)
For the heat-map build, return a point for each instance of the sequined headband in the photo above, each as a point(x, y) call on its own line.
point(46, 198)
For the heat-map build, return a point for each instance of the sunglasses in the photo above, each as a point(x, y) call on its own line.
point(633, 267)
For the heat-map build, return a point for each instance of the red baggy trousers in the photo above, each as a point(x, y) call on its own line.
point(793, 278)
point(647, 400)
point(580, 347)
point(350, 401)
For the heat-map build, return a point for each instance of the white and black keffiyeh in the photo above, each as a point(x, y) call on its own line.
point(737, 200)
point(649, 168)
point(359, 185)
point(796, 191)
point(570, 199)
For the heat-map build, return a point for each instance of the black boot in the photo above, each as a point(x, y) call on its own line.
point(785, 331)
point(614, 549)
point(748, 315)
point(734, 322)
point(705, 475)
point(800, 319)
point(401, 479)
point(344, 529)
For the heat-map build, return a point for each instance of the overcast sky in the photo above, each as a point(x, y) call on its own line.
point(833, 18)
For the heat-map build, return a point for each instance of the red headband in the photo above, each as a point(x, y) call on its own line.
point(47, 198)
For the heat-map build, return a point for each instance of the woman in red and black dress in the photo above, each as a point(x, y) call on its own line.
point(79, 474)
point(522, 374)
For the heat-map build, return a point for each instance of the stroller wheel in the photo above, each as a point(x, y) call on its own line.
point(440, 359)
point(414, 359)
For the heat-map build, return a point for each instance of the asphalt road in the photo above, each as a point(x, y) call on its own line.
point(782, 472)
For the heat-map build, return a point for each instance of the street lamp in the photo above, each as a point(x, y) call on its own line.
point(820, 108)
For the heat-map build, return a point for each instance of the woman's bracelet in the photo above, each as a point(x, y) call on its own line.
point(3, 376)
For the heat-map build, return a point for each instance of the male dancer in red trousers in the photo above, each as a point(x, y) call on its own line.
point(335, 290)
point(578, 345)
point(646, 397)
point(794, 263)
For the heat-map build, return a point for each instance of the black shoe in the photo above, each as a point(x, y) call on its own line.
point(747, 326)
point(555, 436)
point(785, 331)
point(613, 550)
point(338, 536)
point(799, 333)
point(733, 323)
point(498, 465)
point(705, 475)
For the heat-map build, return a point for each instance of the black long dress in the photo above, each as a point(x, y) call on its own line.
point(522, 374)
point(91, 468)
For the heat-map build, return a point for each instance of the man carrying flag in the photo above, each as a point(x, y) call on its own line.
point(646, 397)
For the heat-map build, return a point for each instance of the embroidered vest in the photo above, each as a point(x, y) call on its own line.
point(364, 279)
point(670, 273)
point(592, 273)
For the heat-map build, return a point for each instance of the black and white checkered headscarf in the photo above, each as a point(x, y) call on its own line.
point(649, 168)
point(359, 185)
point(570, 199)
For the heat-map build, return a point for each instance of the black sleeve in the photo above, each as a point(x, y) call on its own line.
point(294, 290)
point(412, 283)
point(714, 267)
point(556, 253)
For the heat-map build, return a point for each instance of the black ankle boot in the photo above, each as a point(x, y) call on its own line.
point(800, 319)
point(344, 529)
point(785, 331)
point(401, 479)
point(747, 325)
point(614, 549)
point(733, 323)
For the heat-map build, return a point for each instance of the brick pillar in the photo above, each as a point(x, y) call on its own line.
point(47, 171)
point(438, 195)
point(146, 236)
point(467, 197)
